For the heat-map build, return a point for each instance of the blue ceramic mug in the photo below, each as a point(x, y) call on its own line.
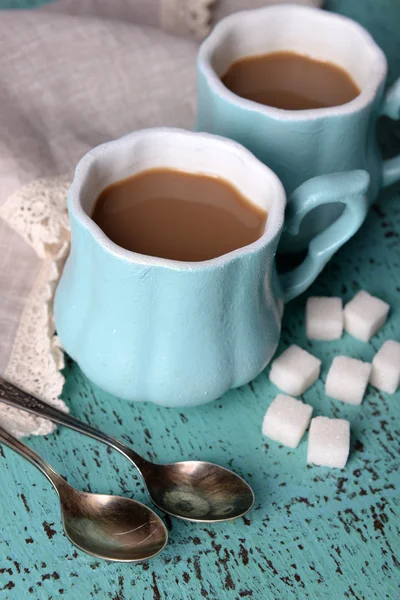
point(298, 145)
point(180, 333)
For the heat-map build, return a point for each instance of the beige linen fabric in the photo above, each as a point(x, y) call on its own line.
point(72, 75)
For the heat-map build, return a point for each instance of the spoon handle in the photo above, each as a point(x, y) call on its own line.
point(39, 462)
point(14, 396)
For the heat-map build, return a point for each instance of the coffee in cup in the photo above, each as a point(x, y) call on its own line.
point(291, 81)
point(178, 215)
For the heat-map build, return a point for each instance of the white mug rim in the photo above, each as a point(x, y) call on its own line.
point(209, 45)
point(274, 222)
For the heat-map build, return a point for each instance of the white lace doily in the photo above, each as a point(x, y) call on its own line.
point(38, 212)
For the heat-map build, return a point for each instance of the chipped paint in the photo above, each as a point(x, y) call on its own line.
point(314, 533)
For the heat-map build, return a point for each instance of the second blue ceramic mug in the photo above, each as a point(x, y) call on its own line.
point(301, 144)
point(182, 333)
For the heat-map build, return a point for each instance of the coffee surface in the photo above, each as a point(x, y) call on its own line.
point(178, 215)
point(290, 81)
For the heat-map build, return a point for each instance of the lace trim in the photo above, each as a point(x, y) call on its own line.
point(38, 213)
point(187, 17)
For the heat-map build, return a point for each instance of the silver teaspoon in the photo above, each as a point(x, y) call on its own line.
point(192, 490)
point(105, 526)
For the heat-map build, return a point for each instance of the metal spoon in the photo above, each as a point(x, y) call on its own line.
point(191, 490)
point(105, 526)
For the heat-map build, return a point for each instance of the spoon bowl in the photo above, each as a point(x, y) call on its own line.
point(198, 491)
point(111, 527)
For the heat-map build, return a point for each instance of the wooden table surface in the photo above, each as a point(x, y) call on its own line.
point(314, 532)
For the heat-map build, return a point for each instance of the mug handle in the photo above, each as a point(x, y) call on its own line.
point(391, 108)
point(350, 189)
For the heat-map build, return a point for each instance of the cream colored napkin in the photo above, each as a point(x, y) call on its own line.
point(75, 74)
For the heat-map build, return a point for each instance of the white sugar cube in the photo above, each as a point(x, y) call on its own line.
point(364, 315)
point(328, 442)
point(347, 379)
point(385, 373)
point(295, 370)
point(286, 420)
point(324, 318)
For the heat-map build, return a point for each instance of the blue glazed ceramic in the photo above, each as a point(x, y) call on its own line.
point(298, 145)
point(177, 333)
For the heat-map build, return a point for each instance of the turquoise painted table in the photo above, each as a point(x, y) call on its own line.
point(314, 533)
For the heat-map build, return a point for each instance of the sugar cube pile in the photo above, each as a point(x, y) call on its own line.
point(286, 420)
point(324, 318)
point(295, 370)
point(385, 373)
point(347, 379)
point(328, 442)
point(364, 315)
